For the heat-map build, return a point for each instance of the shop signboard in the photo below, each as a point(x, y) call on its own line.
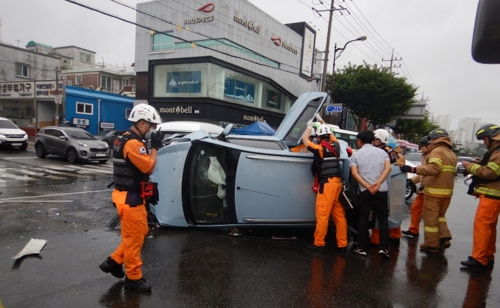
point(239, 90)
point(273, 99)
point(184, 82)
point(32, 89)
point(80, 122)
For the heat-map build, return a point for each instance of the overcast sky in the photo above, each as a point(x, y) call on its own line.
point(433, 38)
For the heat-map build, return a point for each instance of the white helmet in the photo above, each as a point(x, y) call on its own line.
point(144, 112)
point(323, 130)
point(382, 134)
point(314, 129)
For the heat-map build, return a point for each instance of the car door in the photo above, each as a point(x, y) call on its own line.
point(294, 124)
point(59, 145)
point(49, 140)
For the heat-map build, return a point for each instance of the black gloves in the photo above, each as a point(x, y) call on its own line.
point(156, 140)
point(407, 168)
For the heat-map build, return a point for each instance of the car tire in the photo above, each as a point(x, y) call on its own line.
point(103, 161)
point(39, 150)
point(72, 156)
point(410, 189)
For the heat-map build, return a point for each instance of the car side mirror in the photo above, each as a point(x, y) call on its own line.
point(225, 132)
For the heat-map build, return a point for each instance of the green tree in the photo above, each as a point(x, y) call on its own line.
point(371, 92)
point(414, 130)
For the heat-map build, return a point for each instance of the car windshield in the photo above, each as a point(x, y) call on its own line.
point(80, 135)
point(7, 124)
point(414, 156)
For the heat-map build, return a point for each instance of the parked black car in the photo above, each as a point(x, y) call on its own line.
point(109, 136)
point(73, 143)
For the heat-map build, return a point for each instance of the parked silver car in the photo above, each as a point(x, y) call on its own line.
point(73, 143)
point(237, 180)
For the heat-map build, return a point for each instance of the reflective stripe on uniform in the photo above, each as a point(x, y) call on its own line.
point(474, 168)
point(487, 191)
point(442, 219)
point(493, 166)
point(449, 168)
point(439, 191)
point(438, 161)
point(431, 229)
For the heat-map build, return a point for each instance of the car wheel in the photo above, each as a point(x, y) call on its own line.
point(40, 151)
point(103, 161)
point(410, 189)
point(71, 156)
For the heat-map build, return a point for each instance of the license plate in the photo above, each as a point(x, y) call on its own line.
point(16, 144)
point(100, 155)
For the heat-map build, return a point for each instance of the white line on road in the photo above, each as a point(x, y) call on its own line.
point(52, 195)
point(39, 201)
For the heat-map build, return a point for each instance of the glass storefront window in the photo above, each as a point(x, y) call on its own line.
point(211, 80)
point(20, 112)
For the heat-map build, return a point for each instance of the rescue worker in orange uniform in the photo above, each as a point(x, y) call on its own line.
point(132, 165)
point(486, 186)
point(418, 204)
point(439, 179)
point(382, 139)
point(326, 157)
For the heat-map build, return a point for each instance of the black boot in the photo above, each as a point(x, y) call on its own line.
point(473, 263)
point(445, 242)
point(139, 285)
point(110, 266)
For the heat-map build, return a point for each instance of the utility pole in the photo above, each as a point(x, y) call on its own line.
point(325, 64)
point(56, 122)
point(392, 60)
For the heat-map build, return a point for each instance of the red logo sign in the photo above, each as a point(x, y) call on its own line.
point(207, 8)
point(276, 40)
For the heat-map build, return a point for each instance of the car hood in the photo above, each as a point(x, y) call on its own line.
point(12, 131)
point(93, 143)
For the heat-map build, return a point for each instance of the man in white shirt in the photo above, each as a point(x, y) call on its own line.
point(370, 166)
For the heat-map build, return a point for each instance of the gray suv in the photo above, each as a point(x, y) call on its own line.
point(73, 143)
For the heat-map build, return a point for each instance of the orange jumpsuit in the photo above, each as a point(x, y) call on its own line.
point(418, 204)
point(327, 203)
point(133, 216)
point(485, 222)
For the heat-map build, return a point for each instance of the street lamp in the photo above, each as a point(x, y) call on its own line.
point(343, 116)
point(361, 38)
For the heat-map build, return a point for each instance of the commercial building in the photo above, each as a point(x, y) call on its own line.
point(28, 77)
point(225, 61)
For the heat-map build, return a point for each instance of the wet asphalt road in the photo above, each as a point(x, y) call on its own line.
point(208, 268)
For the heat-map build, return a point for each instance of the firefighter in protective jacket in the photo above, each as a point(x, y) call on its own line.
point(439, 179)
point(486, 186)
point(132, 165)
point(326, 157)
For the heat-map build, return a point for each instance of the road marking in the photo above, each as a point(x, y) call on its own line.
point(38, 201)
point(62, 194)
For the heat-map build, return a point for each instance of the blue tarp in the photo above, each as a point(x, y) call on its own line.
point(257, 128)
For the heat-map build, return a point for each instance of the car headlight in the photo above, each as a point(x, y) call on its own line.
point(2, 136)
point(25, 136)
point(82, 144)
point(106, 144)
